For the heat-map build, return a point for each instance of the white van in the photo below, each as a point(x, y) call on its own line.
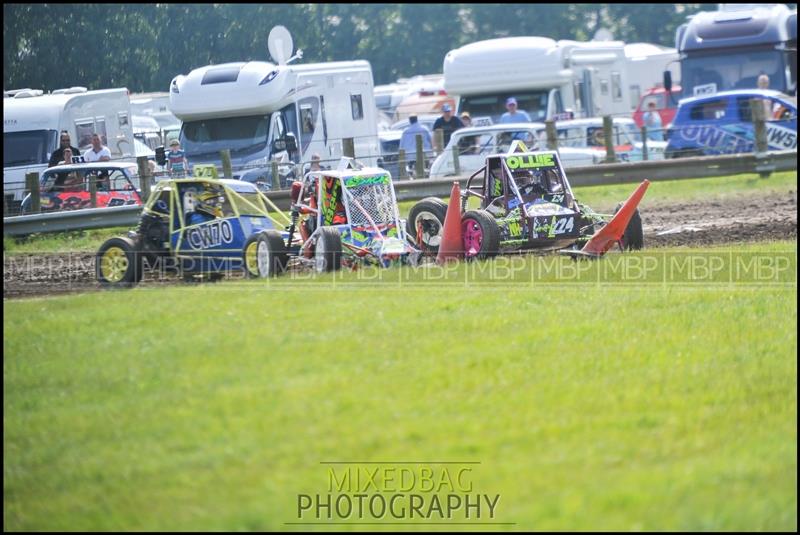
point(262, 111)
point(32, 122)
point(477, 142)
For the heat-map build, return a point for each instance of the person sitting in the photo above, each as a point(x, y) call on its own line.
point(530, 183)
point(203, 207)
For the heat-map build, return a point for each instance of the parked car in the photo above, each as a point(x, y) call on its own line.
point(589, 134)
point(666, 104)
point(477, 142)
point(67, 187)
point(390, 145)
point(722, 123)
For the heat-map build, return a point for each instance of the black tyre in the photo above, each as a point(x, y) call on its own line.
point(118, 263)
point(480, 233)
point(428, 214)
point(633, 239)
point(328, 250)
point(264, 255)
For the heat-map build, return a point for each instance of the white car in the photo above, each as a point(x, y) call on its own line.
point(475, 143)
point(588, 133)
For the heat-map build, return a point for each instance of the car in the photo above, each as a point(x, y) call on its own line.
point(666, 104)
point(589, 134)
point(477, 142)
point(526, 203)
point(390, 145)
point(67, 186)
point(197, 227)
point(349, 215)
point(722, 123)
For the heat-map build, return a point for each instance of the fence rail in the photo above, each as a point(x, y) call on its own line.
point(594, 175)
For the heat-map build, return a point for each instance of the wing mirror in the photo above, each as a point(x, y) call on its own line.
point(161, 156)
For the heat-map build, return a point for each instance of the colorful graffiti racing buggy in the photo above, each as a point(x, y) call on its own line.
point(349, 216)
point(198, 226)
point(526, 203)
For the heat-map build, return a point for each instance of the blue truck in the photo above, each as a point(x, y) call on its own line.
point(722, 123)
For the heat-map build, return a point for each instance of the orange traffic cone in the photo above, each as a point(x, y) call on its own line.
point(613, 231)
point(452, 246)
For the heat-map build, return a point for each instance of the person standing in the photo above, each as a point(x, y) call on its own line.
point(448, 122)
point(98, 152)
point(652, 120)
point(408, 141)
point(177, 164)
point(58, 154)
point(513, 115)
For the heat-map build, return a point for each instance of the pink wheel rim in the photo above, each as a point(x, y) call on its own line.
point(473, 237)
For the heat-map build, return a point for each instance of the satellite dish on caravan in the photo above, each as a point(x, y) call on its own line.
point(280, 45)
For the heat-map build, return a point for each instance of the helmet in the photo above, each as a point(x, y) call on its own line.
point(209, 202)
point(523, 177)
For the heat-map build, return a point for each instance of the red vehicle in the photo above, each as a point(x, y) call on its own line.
point(666, 104)
point(66, 187)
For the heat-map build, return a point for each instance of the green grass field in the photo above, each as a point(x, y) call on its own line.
point(589, 406)
point(598, 197)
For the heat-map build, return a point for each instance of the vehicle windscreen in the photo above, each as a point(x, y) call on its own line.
point(239, 134)
point(255, 199)
point(532, 102)
point(738, 70)
point(28, 148)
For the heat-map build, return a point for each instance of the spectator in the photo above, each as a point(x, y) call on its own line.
point(466, 120)
point(69, 181)
point(513, 115)
point(652, 120)
point(58, 154)
point(448, 122)
point(769, 112)
point(315, 162)
point(467, 144)
point(177, 164)
point(98, 152)
point(408, 141)
point(763, 81)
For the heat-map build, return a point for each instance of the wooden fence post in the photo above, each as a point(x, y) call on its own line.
point(552, 135)
point(438, 141)
point(144, 177)
point(93, 190)
point(456, 162)
point(401, 164)
point(227, 166)
point(608, 133)
point(645, 155)
point(276, 179)
point(420, 163)
point(32, 184)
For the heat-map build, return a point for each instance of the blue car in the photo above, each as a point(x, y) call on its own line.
point(199, 226)
point(722, 123)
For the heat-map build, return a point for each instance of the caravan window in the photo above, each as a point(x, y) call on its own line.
point(84, 129)
point(357, 107)
point(28, 148)
point(100, 128)
point(308, 113)
point(616, 86)
point(239, 134)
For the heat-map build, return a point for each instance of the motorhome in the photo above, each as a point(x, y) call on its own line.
point(33, 120)
point(730, 48)
point(552, 79)
point(262, 111)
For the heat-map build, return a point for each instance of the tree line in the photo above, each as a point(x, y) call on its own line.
point(143, 46)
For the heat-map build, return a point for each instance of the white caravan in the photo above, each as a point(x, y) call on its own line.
point(262, 111)
point(156, 105)
point(32, 122)
point(553, 79)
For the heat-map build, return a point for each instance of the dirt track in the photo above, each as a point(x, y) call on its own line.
point(707, 222)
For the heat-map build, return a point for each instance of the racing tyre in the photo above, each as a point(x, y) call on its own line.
point(119, 263)
point(428, 214)
point(328, 250)
point(265, 255)
point(480, 234)
point(633, 239)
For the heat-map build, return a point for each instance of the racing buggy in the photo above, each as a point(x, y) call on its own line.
point(526, 203)
point(198, 227)
point(349, 216)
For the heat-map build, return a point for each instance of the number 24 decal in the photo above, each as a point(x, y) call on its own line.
point(564, 225)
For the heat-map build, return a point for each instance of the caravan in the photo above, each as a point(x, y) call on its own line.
point(32, 122)
point(262, 112)
point(552, 79)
